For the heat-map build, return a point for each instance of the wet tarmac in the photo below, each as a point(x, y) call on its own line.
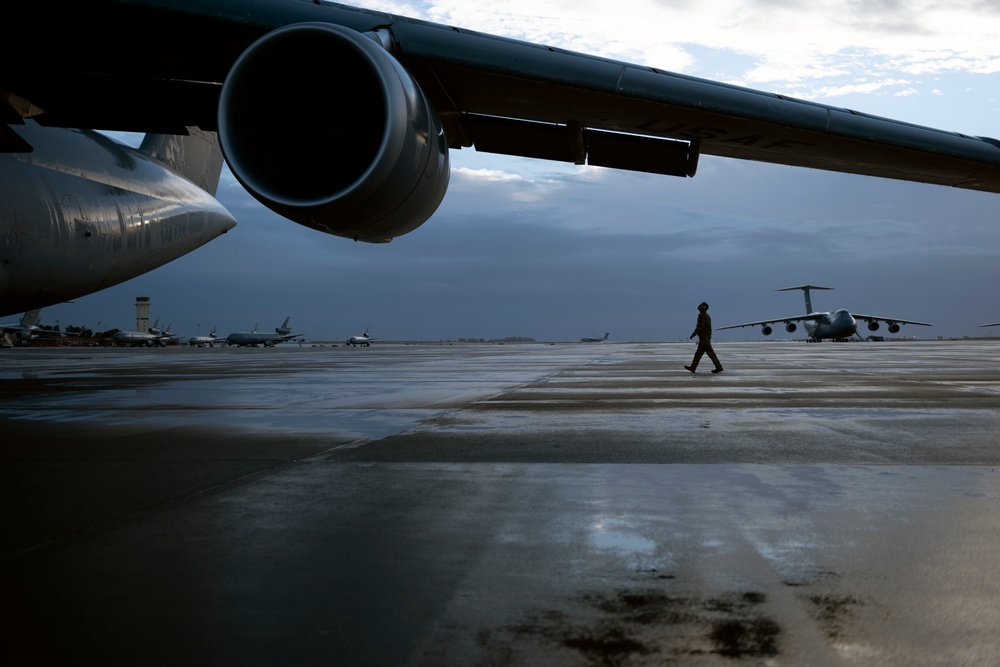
point(832, 504)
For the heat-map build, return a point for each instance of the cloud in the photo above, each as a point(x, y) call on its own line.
point(779, 45)
point(557, 251)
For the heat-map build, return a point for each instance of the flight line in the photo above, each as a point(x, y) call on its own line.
point(483, 504)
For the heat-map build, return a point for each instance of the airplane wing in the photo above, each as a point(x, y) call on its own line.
point(995, 324)
point(776, 320)
point(299, 99)
point(498, 94)
point(887, 320)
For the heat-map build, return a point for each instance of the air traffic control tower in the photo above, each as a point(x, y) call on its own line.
point(142, 313)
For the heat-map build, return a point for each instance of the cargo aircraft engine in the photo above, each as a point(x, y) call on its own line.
point(893, 327)
point(873, 326)
point(326, 128)
point(790, 327)
point(766, 330)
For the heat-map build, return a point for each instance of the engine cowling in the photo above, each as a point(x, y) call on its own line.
point(873, 326)
point(790, 327)
point(766, 330)
point(893, 328)
point(324, 127)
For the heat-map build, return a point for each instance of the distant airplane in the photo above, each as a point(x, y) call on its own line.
point(835, 324)
point(168, 336)
point(154, 328)
point(255, 338)
point(83, 212)
point(586, 339)
point(995, 324)
point(152, 337)
point(201, 341)
point(364, 340)
point(28, 329)
point(284, 328)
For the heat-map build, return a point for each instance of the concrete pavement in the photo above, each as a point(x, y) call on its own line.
point(565, 504)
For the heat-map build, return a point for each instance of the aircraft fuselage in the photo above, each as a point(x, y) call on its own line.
point(137, 338)
point(83, 212)
point(253, 339)
point(835, 324)
point(200, 341)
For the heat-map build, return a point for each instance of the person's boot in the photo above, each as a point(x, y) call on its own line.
point(717, 370)
point(689, 368)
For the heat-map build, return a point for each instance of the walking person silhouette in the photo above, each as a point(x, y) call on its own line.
point(703, 330)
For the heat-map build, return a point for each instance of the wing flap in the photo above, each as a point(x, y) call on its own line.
point(570, 143)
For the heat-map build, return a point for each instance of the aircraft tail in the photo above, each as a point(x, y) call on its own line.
point(805, 288)
point(196, 156)
point(30, 318)
point(284, 329)
point(606, 334)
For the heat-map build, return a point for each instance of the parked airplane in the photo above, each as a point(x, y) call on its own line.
point(372, 164)
point(585, 339)
point(155, 328)
point(168, 336)
point(255, 338)
point(201, 341)
point(835, 324)
point(153, 337)
point(28, 329)
point(364, 340)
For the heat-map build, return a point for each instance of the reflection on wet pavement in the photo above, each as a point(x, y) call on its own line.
point(503, 505)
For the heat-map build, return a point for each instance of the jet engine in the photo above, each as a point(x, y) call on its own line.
point(873, 326)
point(893, 327)
point(766, 330)
point(324, 127)
point(790, 327)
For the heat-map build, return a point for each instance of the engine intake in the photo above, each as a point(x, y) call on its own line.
point(766, 330)
point(324, 127)
point(790, 327)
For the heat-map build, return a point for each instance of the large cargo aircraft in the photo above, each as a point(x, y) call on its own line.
point(838, 324)
point(341, 119)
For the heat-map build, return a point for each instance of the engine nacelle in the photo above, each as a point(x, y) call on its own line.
point(790, 327)
point(324, 127)
point(766, 330)
point(873, 326)
point(893, 328)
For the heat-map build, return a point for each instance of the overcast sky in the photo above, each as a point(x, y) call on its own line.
point(556, 252)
